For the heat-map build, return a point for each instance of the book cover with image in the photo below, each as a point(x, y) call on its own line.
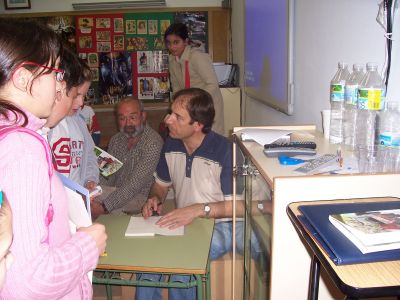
point(370, 231)
point(108, 164)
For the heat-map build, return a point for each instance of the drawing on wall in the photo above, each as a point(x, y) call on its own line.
point(136, 43)
point(158, 43)
point(85, 25)
point(103, 46)
point(164, 24)
point(85, 42)
point(102, 36)
point(93, 60)
point(142, 26)
point(130, 26)
point(115, 76)
point(153, 26)
point(119, 44)
point(103, 23)
point(118, 25)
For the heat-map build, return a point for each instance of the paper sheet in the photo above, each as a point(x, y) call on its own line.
point(262, 136)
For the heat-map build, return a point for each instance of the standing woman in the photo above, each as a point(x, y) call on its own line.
point(190, 67)
point(49, 262)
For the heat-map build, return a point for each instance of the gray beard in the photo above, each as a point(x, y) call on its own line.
point(138, 131)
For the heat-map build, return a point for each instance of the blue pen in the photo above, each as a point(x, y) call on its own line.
point(1, 198)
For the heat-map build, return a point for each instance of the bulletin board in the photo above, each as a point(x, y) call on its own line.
point(127, 55)
point(125, 49)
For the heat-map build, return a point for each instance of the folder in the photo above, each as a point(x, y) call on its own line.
point(338, 247)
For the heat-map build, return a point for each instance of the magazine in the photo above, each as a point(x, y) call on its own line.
point(138, 226)
point(108, 164)
point(370, 231)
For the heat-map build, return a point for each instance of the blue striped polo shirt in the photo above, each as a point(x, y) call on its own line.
point(202, 177)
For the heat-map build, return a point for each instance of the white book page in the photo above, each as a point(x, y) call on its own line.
point(138, 226)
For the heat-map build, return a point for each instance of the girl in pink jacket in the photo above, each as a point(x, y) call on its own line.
point(49, 262)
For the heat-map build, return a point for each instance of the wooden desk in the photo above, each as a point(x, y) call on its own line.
point(187, 254)
point(376, 279)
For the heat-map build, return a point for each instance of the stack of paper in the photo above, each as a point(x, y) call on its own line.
point(370, 231)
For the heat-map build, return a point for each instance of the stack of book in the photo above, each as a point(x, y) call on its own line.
point(339, 247)
point(370, 231)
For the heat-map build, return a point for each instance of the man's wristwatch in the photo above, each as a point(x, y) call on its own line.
point(207, 210)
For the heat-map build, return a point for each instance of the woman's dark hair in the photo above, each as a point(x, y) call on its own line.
point(199, 105)
point(70, 63)
point(178, 29)
point(24, 40)
point(87, 74)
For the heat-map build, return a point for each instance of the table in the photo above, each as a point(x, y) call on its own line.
point(168, 255)
point(377, 279)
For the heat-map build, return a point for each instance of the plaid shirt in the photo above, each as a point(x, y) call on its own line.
point(134, 179)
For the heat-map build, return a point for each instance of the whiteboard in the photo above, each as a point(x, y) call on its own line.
point(269, 53)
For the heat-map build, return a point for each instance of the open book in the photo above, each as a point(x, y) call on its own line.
point(138, 226)
point(370, 231)
point(108, 164)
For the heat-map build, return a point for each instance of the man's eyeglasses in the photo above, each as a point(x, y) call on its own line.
point(59, 73)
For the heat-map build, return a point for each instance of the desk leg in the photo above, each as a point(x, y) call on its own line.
point(208, 284)
point(199, 286)
point(314, 279)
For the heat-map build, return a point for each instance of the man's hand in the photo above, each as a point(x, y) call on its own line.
point(90, 185)
point(181, 216)
point(153, 204)
point(97, 209)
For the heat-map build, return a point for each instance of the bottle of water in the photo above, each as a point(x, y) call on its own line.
point(337, 103)
point(350, 105)
point(389, 125)
point(371, 98)
point(389, 137)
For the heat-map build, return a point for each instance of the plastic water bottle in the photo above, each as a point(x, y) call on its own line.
point(338, 83)
point(350, 105)
point(371, 99)
point(389, 125)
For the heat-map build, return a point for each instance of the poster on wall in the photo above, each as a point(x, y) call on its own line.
point(196, 23)
point(115, 76)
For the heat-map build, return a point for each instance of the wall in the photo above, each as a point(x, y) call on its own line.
point(38, 6)
point(325, 32)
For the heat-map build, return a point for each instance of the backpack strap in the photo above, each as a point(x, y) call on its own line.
point(6, 130)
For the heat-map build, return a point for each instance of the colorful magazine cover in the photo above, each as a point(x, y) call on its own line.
point(371, 230)
point(108, 164)
point(145, 87)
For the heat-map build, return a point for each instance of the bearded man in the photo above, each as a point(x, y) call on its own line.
point(138, 147)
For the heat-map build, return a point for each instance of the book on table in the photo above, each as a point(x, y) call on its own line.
point(370, 231)
point(107, 163)
point(336, 245)
point(139, 226)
